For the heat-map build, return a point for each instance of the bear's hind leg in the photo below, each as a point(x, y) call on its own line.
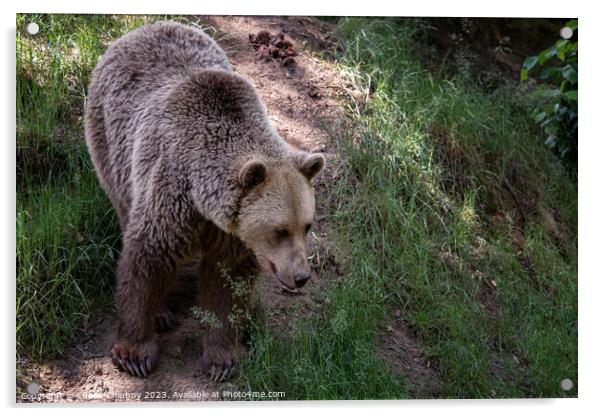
point(164, 319)
point(187, 276)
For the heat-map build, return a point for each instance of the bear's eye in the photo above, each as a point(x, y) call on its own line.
point(307, 228)
point(282, 233)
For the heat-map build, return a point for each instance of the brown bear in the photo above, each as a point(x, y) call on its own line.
point(184, 150)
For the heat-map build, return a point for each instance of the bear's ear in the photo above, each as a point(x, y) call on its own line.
point(252, 174)
point(311, 164)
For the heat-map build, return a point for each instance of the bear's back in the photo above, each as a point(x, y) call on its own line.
point(163, 50)
point(133, 70)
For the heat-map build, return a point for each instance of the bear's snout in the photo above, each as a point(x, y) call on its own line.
point(302, 278)
point(292, 275)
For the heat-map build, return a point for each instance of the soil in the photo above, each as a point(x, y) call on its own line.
point(305, 98)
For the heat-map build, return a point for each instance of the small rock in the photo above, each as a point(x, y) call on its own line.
point(273, 47)
point(262, 37)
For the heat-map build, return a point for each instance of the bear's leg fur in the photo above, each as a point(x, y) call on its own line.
point(143, 279)
point(222, 346)
point(146, 273)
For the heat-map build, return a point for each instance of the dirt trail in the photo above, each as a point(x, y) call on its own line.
point(304, 101)
point(303, 98)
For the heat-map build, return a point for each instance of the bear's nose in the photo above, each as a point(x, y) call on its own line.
point(302, 278)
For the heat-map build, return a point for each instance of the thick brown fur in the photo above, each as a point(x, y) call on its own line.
point(183, 149)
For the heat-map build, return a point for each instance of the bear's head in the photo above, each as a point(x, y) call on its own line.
point(277, 213)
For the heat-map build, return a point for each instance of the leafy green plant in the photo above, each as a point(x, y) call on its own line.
point(556, 114)
point(206, 317)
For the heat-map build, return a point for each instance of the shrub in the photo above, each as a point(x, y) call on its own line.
point(556, 113)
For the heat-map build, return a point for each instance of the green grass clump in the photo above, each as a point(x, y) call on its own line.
point(327, 355)
point(430, 169)
point(435, 159)
point(66, 251)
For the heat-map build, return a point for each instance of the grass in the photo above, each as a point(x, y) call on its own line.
point(448, 208)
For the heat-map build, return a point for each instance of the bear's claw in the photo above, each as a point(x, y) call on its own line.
point(220, 363)
point(136, 359)
point(219, 372)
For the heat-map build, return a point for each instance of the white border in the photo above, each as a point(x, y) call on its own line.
point(461, 8)
point(589, 184)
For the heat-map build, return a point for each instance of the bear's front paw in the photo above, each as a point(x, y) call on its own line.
point(220, 363)
point(137, 359)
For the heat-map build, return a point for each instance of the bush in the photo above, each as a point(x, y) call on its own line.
point(556, 114)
